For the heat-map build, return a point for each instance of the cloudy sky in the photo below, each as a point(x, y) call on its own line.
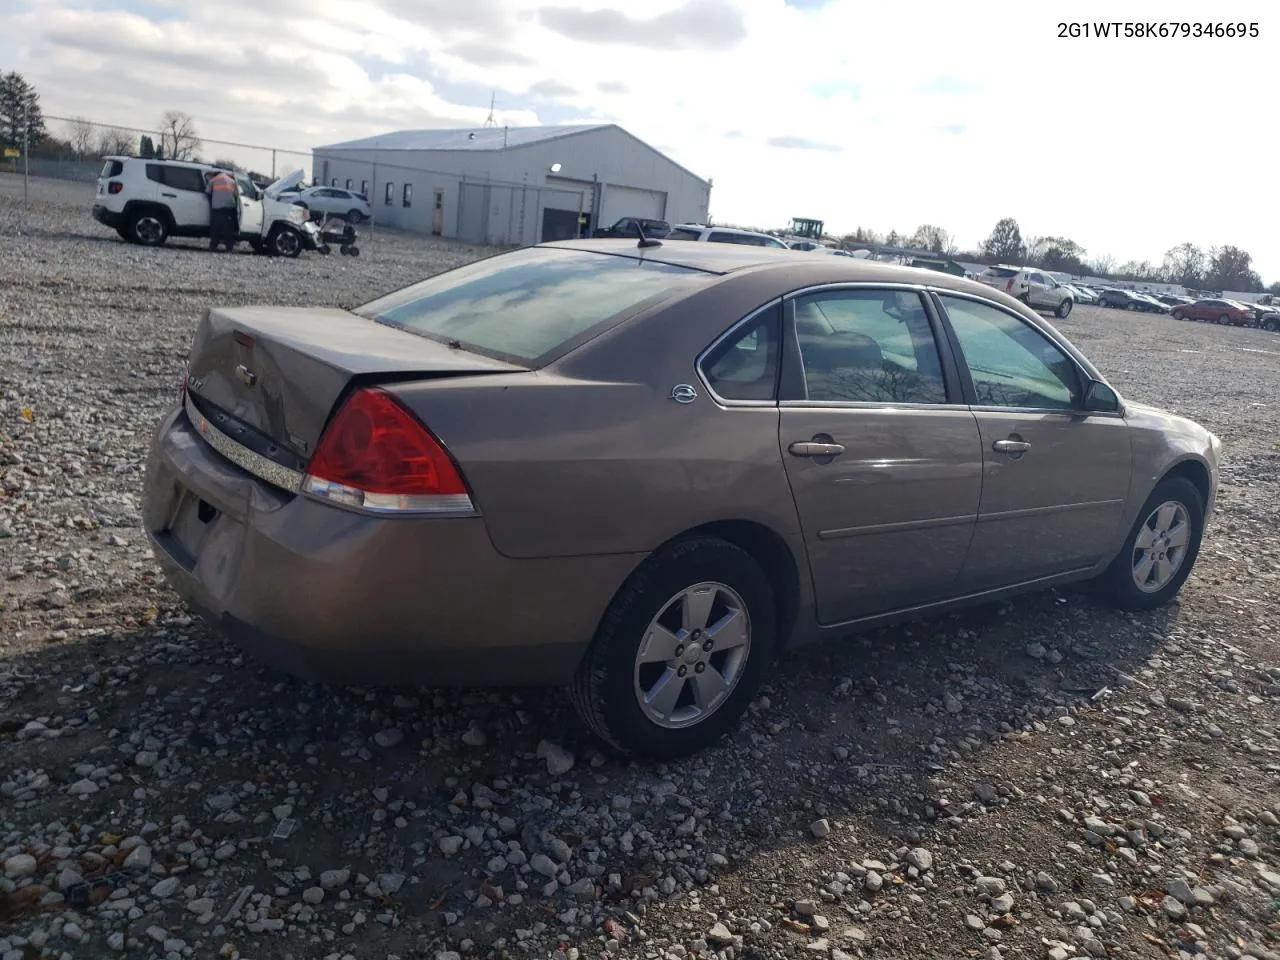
point(853, 111)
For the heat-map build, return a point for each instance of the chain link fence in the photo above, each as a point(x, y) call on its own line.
point(73, 147)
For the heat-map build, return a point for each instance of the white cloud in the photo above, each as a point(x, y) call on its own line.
point(929, 112)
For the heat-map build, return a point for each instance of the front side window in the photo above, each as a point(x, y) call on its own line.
point(531, 302)
point(745, 366)
point(868, 346)
point(1011, 363)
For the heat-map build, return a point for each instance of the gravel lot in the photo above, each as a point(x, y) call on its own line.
point(1042, 779)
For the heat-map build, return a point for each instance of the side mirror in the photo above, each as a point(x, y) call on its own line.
point(1099, 398)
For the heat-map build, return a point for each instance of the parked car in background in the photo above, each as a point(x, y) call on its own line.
point(1215, 311)
point(1172, 299)
point(698, 231)
point(626, 228)
point(435, 457)
point(1121, 299)
point(322, 201)
point(1037, 289)
point(999, 275)
point(1082, 293)
point(1152, 305)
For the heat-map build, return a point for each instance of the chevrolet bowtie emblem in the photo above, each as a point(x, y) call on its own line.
point(246, 376)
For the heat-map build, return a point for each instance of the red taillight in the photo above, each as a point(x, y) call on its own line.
point(1008, 287)
point(115, 186)
point(378, 456)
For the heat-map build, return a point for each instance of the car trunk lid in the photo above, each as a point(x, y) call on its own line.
point(279, 371)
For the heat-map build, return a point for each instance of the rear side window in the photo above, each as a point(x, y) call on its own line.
point(111, 168)
point(530, 303)
point(745, 366)
point(180, 178)
point(872, 346)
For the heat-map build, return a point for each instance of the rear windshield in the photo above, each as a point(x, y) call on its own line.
point(111, 168)
point(1002, 271)
point(530, 303)
point(682, 233)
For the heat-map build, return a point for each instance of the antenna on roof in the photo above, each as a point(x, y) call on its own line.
point(493, 99)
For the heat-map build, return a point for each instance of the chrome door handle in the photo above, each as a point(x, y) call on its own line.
point(812, 448)
point(174, 195)
point(1011, 446)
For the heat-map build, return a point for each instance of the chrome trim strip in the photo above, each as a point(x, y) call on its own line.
point(902, 526)
point(1048, 510)
point(251, 462)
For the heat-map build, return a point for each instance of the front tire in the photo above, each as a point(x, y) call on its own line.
point(1177, 314)
point(1160, 550)
point(680, 651)
point(285, 242)
point(1064, 309)
point(355, 216)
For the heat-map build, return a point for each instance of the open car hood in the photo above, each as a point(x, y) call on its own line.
point(286, 182)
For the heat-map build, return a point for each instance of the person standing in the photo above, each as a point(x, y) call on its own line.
point(224, 226)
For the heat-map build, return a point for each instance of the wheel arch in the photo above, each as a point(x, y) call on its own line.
point(767, 548)
point(135, 207)
point(1197, 472)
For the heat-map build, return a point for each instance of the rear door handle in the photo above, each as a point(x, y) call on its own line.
point(813, 448)
point(174, 195)
point(1011, 446)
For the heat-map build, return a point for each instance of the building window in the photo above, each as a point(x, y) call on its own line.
point(389, 196)
point(364, 189)
point(333, 182)
point(407, 199)
point(349, 183)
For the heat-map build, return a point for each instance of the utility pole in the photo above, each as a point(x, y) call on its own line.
point(26, 152)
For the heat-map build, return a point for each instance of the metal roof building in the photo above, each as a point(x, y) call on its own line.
point(513, 185)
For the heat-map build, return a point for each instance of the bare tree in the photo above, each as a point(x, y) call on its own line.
point(226, 164)
point(80, 134)
point(115, 142)
point(178, 137)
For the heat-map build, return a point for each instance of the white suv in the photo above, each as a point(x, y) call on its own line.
point(698, 231)
point(148, 201)
point(1033, 287)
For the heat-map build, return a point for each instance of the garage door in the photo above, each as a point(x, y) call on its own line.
point(619, 202)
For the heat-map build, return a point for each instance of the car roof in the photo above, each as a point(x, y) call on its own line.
point(804, 268)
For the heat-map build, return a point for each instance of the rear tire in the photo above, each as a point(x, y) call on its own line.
point(149, 228)
point(617, 695)
point(1120, 582)
point(1177, 314)
point(355, 216)
point(1271, 325)
point(1224, 320)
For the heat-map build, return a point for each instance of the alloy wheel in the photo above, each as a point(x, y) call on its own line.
point(692, 656)
point(149, 229)
point(1161, 546)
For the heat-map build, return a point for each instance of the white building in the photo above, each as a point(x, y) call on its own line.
point(513, 185)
